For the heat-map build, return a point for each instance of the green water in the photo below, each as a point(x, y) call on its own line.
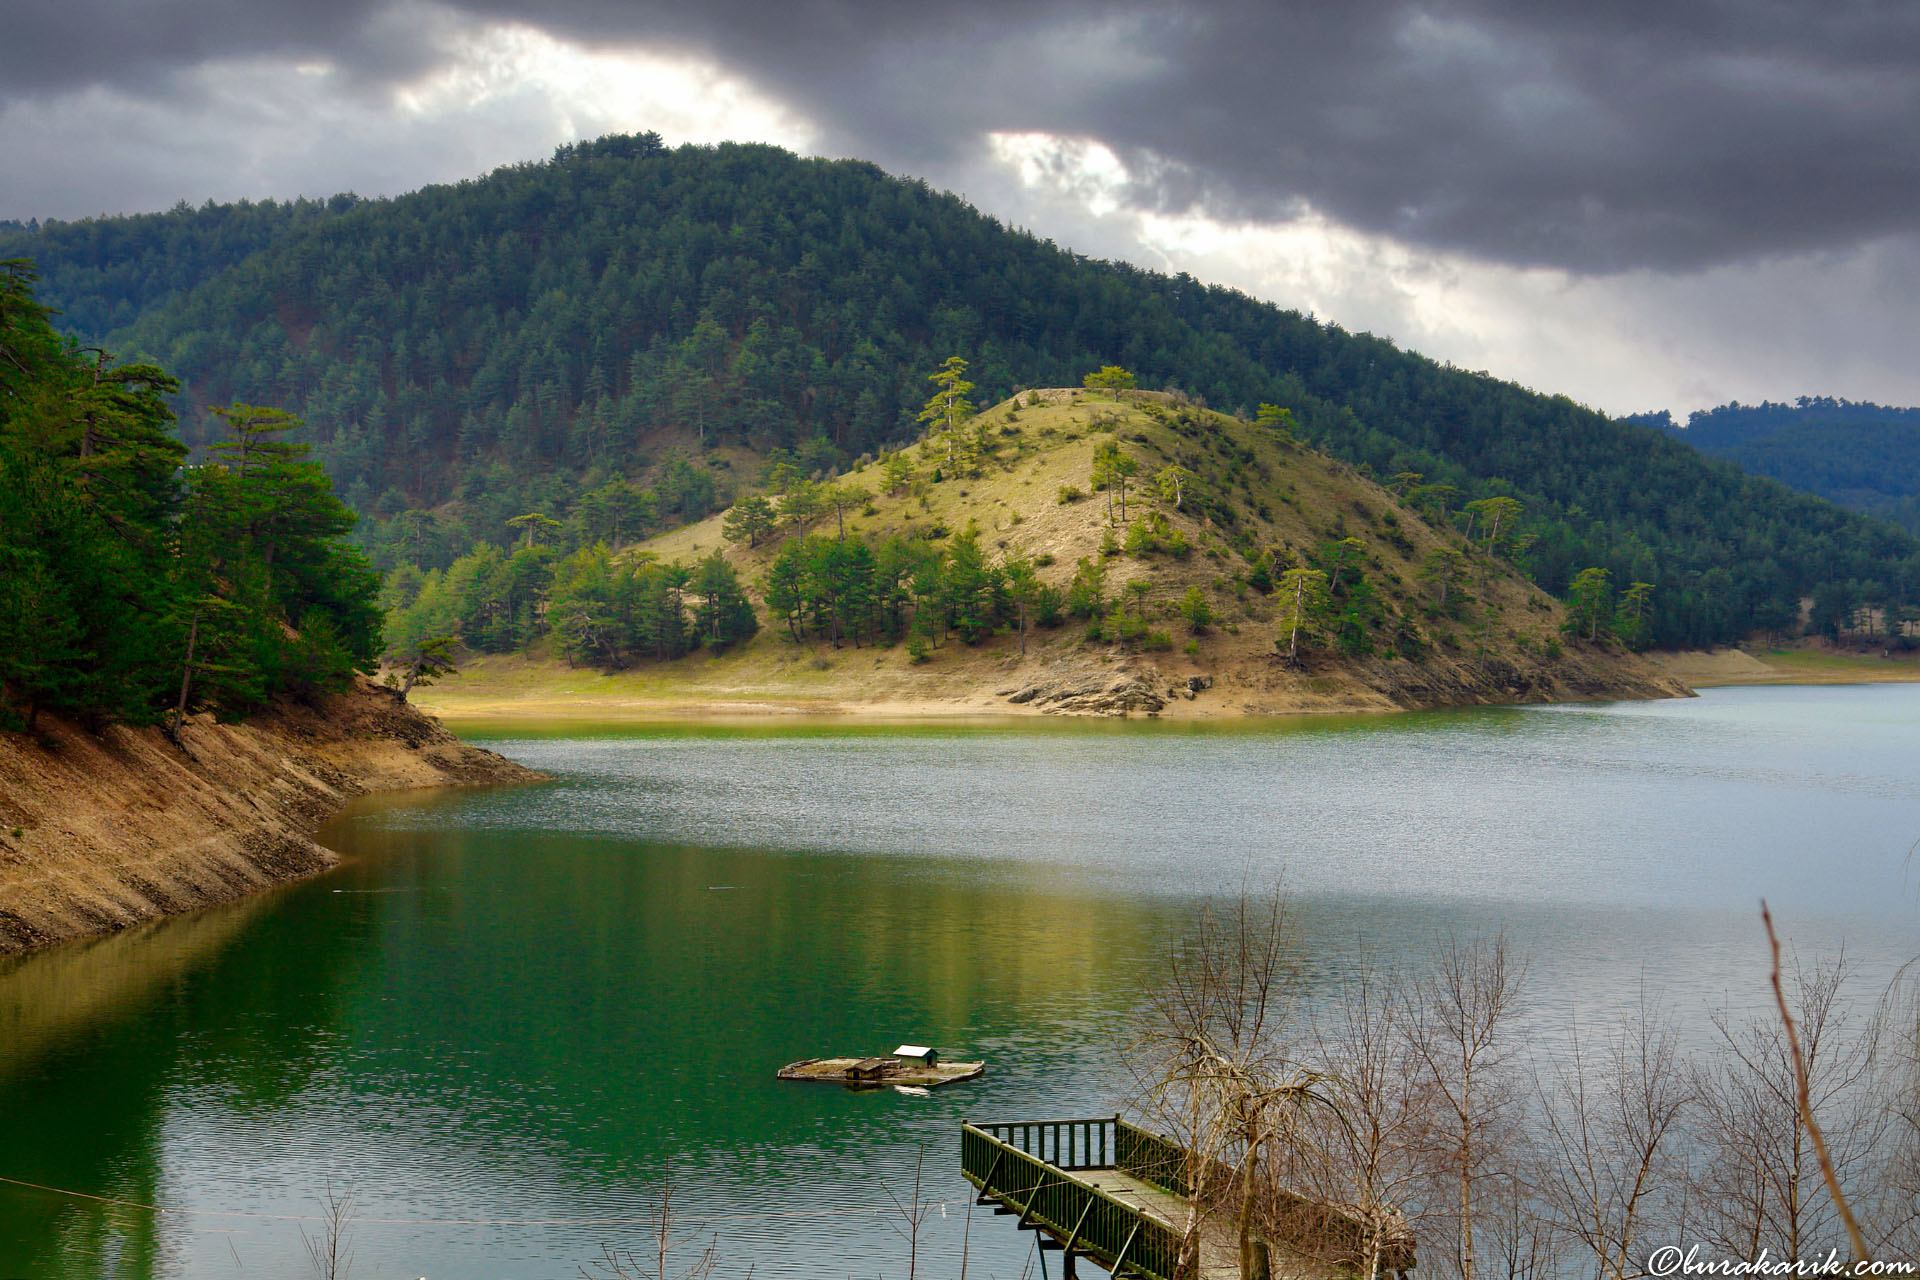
point(503, 1017)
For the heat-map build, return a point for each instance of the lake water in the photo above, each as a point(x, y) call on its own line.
point(511, 1011)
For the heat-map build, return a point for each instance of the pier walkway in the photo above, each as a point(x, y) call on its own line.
point(1114, 1194)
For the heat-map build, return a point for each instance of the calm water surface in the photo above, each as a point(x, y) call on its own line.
point(498, 1023)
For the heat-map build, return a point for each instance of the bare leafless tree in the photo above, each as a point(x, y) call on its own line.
point(1516, 1239)
point(1895, 1211)
point(1760, 1184)
point(622, 1264)
point(913, 1212)
point(1363, 1154)
point(1214, 1062)
point(1613, 1118)
point(1460, 1043)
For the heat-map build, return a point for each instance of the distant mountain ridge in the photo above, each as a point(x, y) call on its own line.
point(506, 344)
point(1864, 456)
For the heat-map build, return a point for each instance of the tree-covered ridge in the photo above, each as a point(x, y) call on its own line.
point(102, 274)
point(518, 342)
point(130, 586)
point(1863, 456)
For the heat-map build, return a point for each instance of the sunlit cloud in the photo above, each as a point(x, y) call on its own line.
point(490, 94)
point(588, 92)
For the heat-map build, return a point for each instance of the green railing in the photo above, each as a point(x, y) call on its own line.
point(1151, 1158)
point(1305, 1226)
point(1006, 1163)
point(1064, 1144)
point(1025, 1165)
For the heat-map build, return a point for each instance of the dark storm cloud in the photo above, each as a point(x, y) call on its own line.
point(67, 44)
point(1596, 136)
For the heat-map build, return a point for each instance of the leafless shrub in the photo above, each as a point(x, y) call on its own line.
point(622, 1264)
point(330, 1249)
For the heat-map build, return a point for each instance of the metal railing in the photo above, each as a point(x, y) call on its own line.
point(1027, 1167)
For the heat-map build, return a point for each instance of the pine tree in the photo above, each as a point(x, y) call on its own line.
point(1303, 604)
point(948, 406)
point(726, 615)
point(751, 518)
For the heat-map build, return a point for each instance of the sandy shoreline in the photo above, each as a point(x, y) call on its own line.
point(1721, 668)
point(666, 710)
point(520, 696)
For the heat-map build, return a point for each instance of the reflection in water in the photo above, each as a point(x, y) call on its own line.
point(508, 1010)
point(497, 1032)
point(109, 1031)
point(49, 998)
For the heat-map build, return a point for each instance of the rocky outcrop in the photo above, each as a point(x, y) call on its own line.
point(1144, 693)
point(1269, 686)
point(101, 831)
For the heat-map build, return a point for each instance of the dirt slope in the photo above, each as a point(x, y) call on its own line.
point(100, 832)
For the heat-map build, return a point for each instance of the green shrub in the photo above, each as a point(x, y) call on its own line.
point(1087, 593)
point(1049, 607)
point(1197, 610)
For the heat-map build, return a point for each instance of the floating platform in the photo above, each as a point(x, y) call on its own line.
point(881, 1073)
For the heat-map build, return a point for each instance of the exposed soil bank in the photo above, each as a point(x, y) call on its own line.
point(1239, 676)
point(1807, 664)
point(101, 832)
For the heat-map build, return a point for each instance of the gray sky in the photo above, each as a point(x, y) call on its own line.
point(1642, 205)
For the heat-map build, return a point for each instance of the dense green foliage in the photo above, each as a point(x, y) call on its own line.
point(1862, 456)
point(600, 608)
point(845, 589)
point(127, 584)
point(471, 353)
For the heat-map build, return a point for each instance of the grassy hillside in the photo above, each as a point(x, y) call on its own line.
point(1499, 637)
point(470, 353)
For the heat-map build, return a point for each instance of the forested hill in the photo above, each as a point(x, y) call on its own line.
point(474, 352)
point(1862, 456)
